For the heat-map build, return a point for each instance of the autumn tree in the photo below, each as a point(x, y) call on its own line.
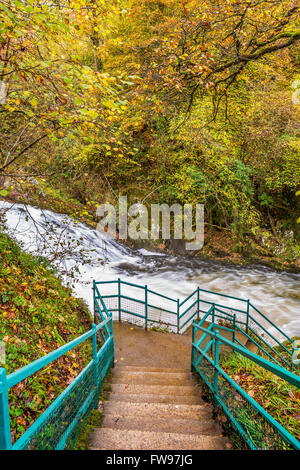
point(48, 89)
point(184, 49)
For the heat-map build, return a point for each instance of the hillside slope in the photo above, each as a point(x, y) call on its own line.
point(37, 315)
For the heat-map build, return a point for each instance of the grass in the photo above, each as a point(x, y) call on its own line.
point(94, 419)
point(55, 195)
point(37, 315)
point(288, 346)
point(160, 329)
point(275, 395)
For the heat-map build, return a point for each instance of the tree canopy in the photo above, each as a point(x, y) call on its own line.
point(187, 101)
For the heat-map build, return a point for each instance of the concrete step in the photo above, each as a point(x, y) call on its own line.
point(153, 378)
point(162, 424)
point(155, 398)
point(183, 390)
point(119, 439)
point(150, 369)
point(251, 347)
point(141, 373)
point(157, 409)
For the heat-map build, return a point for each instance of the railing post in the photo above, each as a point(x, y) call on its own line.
point(198, 303)
point(247, 321)
point(119, 298)
point(216, 373)
point(213, 328)
point(5, 436)
point(193, 342)
point(112, 334)
point(95, 365)
point(110, 328)
point(146, 308)
point(94, 299)
point(234, 323)
point(178, 309)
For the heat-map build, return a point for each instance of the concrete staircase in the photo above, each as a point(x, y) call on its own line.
point(158, 409)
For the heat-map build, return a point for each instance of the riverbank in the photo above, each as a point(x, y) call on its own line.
point(219, 243)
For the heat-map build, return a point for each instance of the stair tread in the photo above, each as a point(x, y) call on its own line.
point(141, 373)
point(119, 439)
point(154, 409)
point(155, 398)
point(153, 378)
point(162, 424)
point(154, 389)
point(151, 369)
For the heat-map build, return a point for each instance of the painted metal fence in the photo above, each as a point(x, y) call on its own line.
point(58, 426)
point(141, 305)
point(258, 429)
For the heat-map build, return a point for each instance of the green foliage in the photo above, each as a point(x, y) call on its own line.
point(94, 419)
point(265, 200)
point(37, 315)
point(278, 398)
point(149, 98)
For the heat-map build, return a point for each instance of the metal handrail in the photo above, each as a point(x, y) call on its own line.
point(101, 310)
point(184, 315)
point(8, 381)
point(285, 374)
point(272, 323)
point(216, 340)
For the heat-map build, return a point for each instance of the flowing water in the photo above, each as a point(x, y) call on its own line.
point(276, 294)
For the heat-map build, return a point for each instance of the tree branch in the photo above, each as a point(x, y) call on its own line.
point(23, 151)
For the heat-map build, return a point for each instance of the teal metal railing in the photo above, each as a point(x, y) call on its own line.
point(257, 428)
point(58, 426)
point(140, 305)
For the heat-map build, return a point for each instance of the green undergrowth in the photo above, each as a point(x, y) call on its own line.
point(161, 328)
point(283, 350)
point(44, 196)
point(37, 315)
point(94, 419)
point(280, 399)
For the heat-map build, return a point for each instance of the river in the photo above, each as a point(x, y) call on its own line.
point(43, 232)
